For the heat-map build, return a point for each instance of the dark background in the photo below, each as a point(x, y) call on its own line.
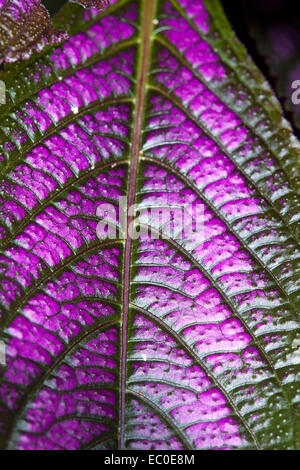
point(270, 30)
point(53, 5)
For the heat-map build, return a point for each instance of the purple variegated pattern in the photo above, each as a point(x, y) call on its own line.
point(148, 344)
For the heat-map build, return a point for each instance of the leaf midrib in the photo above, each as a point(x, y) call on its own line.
point(147, 18)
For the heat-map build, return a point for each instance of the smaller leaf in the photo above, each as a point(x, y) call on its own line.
point(99, 4)
point(25, 26)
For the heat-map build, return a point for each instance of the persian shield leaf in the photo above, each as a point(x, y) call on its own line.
point(147, 342)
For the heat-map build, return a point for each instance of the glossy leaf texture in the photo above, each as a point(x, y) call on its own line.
point(148, 343)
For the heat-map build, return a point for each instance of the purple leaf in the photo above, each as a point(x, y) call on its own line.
point(186, 341)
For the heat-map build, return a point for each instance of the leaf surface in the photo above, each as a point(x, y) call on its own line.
point(179, 343)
